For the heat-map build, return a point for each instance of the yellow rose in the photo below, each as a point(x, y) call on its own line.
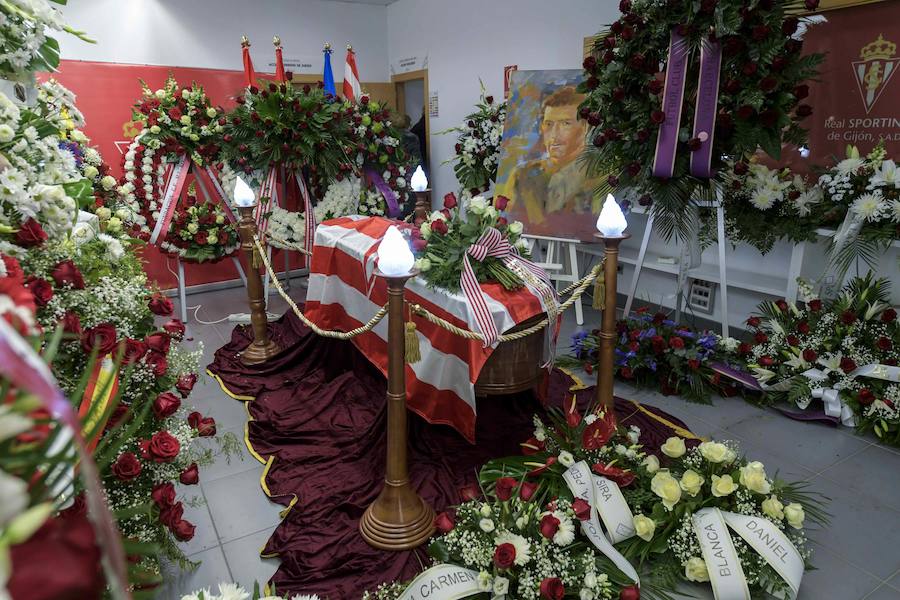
point(714, 452)
point(212, 240)
point(773, 508)
point(695, 570)
point(722, 486)
point(185, 120)
point(753, 477)
point(651, 463)
point(794, 514)
point(644, 527)
point(666, 487)
point(674, 447)
point(691, 482)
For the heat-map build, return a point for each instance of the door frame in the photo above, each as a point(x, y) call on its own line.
point(398, 81)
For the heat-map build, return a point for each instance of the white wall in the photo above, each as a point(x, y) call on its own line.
point(468, 39)
point(207, 33)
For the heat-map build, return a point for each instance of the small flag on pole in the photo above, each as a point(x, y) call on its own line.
point(279, 61)
point(327, 74)
point(352, 90)
point(248, 63)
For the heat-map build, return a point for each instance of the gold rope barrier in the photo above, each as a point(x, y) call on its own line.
point(285, 245)
point(577, 289)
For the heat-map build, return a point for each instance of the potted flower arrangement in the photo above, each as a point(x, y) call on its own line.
point(200, 232)
point(841, 351)
point(654, 351)
point(760, 98)
point(478, 145)
point(441, 242)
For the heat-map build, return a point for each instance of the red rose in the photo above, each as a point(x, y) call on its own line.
point(884, 343)
point(134, 351)
point(810, 355)
point(30, 234)
point(793, 340)
point(66, 273)
point(526, 492)
point(803, 327)
point(694, 364)
point(439, 226)
point(158, 362)
point(183, 530)
point(847, 365)
point(782, 305)
point(549, 526)
point(175, 328)
point(469, 492)
point(634, 346)
point(175, 113)
point(205, 426)
point(655, 86)
point(582, 509)
point(743, 348)
point(160, 305)
point(158, 342)
point(165, 405)
point(626, 372)
point(848, 317)
point(190, 476)
point(500, 202)
point(71, 323)
point(170, 515)
point(622, 477)
point(766, 361)
point(632, 592)
point(815, 305)
point(163, 494)
point(659, 344)
point(504, 488)
point(760, 337)
point(676, 342)
point(444, 523)
point(598, 433)
point(505, 556)
point(419, 244)
point(657, 116)
point(185, 384)
point(450, 200)
point(888, 315)
point(163, 447)
point(865, 397)
point(40, 289)
point(101, 338)
point(767, 84)
point(13, 268)
point(745, 112)
point(552, 588)
point(201, 237)
point(126, 467)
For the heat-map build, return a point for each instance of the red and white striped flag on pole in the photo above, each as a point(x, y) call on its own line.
point(352, 90)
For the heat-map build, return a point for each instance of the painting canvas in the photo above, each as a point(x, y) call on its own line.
point(540, 171)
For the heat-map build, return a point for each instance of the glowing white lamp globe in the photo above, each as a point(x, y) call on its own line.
point(419, 182)
point(394, 256)
point(611, 222)
point(243, 195)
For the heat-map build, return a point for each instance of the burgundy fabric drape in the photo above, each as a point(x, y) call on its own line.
point(319, 410)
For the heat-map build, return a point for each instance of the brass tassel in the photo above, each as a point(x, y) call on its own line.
point(599, 302)
point(412, 354)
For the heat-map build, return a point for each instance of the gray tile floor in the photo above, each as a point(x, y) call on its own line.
point(855, 557)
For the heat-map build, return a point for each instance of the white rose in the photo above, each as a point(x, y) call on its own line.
point(423, 264)
point(211, 112)
point(795, 515)
point(154, 129)
point(753, 477)
point(714, 452)
point(192, 227)
point(566, 459)
point(644, 527)
point(160, 94)
point(486, 525)
point(91, 171)
point(477, 205)
point(773, 508)
point(437, 215)
point(590, 579)
point(691, 481)
point(6, 133)
point(486, 510)
point(103, 213)
point(220, 219)
point(674, 447)
point(108, 182)
point(425, 230)
point(122, 213)
point(723, 486)
point(651, 463)
point(485, 582)
point(501, 586)
point(212, 240)
point(695, 570)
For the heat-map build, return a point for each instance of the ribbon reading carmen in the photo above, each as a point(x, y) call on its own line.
point(673, 101)
point(492, 243)
point(442, 582)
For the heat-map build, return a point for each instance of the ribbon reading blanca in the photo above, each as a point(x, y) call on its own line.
point(580, 481)
point(442, 582)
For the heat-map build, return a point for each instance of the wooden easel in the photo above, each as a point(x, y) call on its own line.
point(553, 261)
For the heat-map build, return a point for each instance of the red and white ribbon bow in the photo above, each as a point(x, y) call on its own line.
point(492, 243)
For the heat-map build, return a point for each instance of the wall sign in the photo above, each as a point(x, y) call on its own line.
point(409, 63)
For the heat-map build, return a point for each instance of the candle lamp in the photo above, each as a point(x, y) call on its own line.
point(611, 226)
point(262, 348)
point(419, 185)
point(399, 519)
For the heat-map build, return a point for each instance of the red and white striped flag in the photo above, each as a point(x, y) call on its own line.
point(352, 90)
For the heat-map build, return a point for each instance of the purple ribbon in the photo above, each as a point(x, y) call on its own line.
point(673, 99)
point(705, 109)
point(742, 377)
point(389, 196)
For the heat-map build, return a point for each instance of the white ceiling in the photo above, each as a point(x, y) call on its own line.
point(378, 2)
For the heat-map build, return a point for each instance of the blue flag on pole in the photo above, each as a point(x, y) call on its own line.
point(327, 75)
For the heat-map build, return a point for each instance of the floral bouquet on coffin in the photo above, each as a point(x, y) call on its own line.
point(200, 231)
point(478, 145)
point(442, 241)
point(845, 352)
point(649, 502)
point(865, 193)
point(763, 205)
point(653, 351)
point(749, 52)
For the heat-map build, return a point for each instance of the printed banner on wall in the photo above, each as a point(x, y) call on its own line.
point(855, 101)
point(105, 94)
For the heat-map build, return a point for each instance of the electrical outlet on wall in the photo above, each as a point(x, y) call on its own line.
point(701, 296)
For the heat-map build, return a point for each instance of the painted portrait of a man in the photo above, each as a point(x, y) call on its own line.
point(539, 169)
